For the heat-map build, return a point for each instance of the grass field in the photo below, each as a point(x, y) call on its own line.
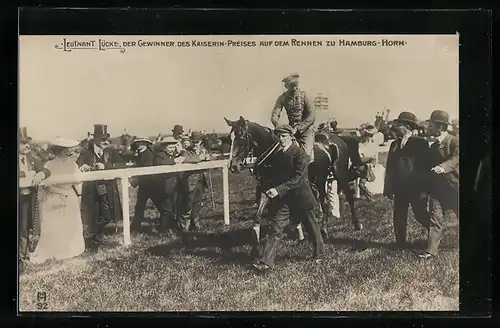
point(155, 273)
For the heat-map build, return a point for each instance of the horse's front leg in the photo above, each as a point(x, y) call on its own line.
point(350, 200)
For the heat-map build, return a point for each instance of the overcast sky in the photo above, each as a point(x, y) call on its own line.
point(149, 89)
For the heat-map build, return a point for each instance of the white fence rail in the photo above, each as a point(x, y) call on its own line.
point(123, 176)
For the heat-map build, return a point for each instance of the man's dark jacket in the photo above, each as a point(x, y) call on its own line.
point(287, 173)
point(90, 199)
point(407, 168)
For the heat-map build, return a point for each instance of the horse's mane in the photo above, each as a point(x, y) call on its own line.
point(263, 136)
point(256, 126)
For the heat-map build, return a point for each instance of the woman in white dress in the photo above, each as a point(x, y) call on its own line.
point(369, 153)
point(61, 234)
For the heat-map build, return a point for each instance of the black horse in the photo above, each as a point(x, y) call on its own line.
point(331, 153)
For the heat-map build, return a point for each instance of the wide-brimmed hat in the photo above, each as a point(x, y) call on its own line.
point(178, 129)
point(440, 116)
point(23, 135)
point(284, 128)
point(146, 140)
point(101, 131)
point(370, 130)
point(168, 140)
point(407, 117)
point(292, 78)
point(64, 143)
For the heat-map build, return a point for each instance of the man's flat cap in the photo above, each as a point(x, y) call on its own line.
point(284, 128)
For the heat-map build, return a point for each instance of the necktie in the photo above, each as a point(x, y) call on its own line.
point(23, 160)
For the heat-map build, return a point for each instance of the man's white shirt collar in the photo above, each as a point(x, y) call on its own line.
point(98, 150)
point(405, 138)
point(442, 136)
point(286, 148)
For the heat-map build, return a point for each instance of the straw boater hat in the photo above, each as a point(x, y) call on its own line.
point(63, 142)
point(146, 140)
point(169, 140)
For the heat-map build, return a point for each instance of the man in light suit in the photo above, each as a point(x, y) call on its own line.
point(443, 180)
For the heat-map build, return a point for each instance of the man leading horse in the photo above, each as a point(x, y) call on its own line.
point(301, 118)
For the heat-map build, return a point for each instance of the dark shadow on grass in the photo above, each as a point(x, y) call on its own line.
point(362, 245)
point(359, 244)
point(110, 230)
point(208, 244)
point(225, 240)
point(164, 250)
point(227, 257)
point(197, 240)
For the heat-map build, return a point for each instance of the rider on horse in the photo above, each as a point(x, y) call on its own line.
point(301, 115)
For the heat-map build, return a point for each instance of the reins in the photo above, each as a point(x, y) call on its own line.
point(261, 159)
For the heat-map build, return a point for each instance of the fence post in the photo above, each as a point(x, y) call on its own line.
point(225, 187)
point(125, 210)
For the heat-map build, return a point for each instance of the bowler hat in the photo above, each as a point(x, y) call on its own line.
point(440, 116)
point(196, 136)
point(178, 129)
point(284, 128)
point(23, 135)
point(101, 131)
point(293, 78)
point(407, 117)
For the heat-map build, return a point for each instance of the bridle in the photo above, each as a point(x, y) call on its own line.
point(249, 143)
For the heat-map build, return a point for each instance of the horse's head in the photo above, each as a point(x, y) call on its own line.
point(241, 144)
